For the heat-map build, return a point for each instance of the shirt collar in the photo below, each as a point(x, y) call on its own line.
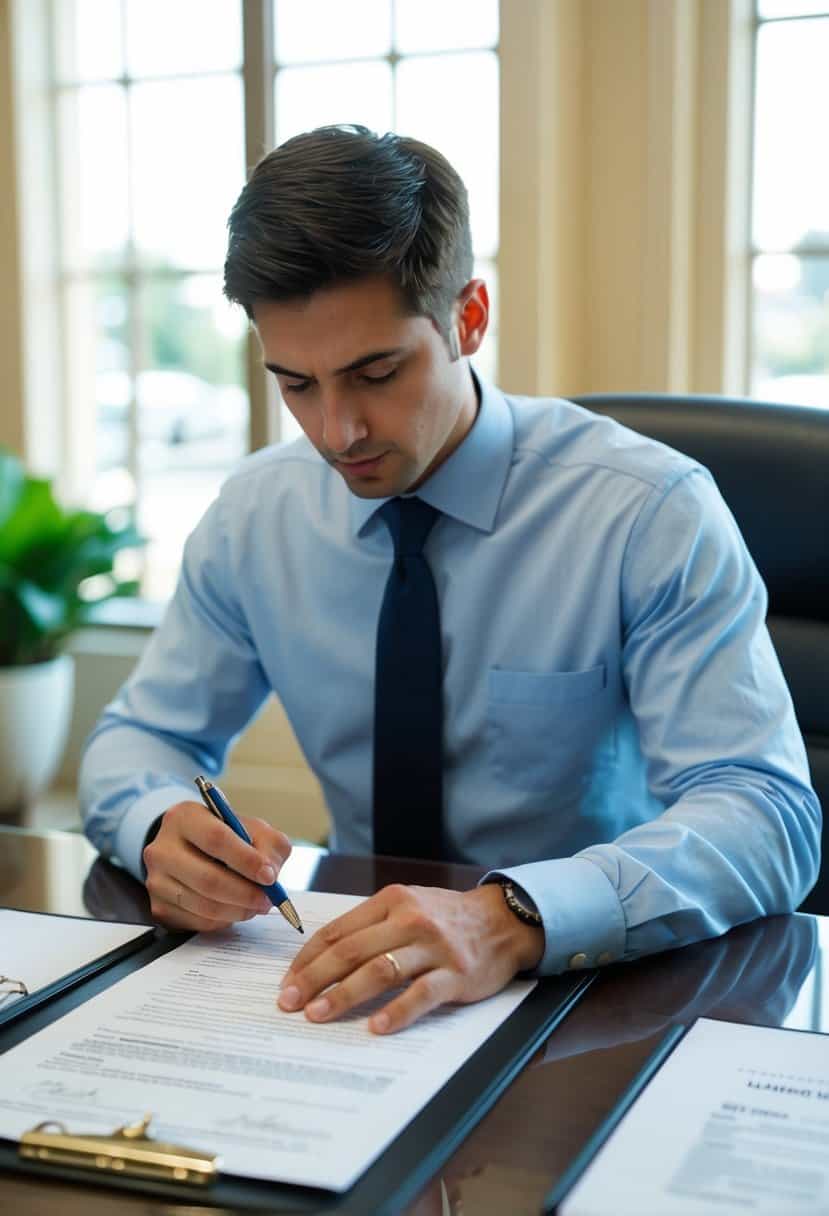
point(469, 484)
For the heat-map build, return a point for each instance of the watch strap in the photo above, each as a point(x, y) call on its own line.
point(519, 904)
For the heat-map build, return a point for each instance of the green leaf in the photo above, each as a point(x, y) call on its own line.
point(46, 611)
point(35, 521)
point(67, 565)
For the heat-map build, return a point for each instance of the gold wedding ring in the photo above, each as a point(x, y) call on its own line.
point(179, 894)
point(398, 971)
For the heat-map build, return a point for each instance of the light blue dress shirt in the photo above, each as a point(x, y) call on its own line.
point(619, 738)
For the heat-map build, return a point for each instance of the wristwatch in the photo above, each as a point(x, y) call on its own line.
point(520, 905)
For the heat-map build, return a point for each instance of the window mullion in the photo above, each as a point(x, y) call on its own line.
point(137, 344)
point(136, 339)
point(61, 454)
point(258, 73)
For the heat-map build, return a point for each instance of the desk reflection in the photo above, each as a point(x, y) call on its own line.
point(110, 893)
point(754, 974)
point(43, 871)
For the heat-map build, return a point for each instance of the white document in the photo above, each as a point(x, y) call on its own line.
point(196, 1038)
point(39, 949)
point(735, 1121)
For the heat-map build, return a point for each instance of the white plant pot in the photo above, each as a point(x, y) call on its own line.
point(35, 711)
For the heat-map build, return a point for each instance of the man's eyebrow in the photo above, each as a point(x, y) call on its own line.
point(363, 361)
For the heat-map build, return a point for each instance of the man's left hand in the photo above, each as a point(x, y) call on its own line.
point(448, 946)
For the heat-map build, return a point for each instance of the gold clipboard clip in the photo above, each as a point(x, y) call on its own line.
point(128, 1151)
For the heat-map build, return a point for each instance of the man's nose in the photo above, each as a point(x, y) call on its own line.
point(342, 423)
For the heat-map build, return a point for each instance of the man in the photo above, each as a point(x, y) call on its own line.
point(617, 739)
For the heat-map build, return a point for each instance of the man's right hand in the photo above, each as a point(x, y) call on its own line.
point(200, 875)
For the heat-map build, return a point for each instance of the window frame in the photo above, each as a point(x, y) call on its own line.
point(754, 250)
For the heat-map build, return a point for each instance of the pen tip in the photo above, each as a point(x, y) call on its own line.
point(291, 915)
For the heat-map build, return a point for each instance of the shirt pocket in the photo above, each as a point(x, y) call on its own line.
point(543, 729)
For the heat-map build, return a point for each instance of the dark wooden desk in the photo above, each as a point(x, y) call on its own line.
point(773, 972)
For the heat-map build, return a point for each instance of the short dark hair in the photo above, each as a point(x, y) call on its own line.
point(341, 203)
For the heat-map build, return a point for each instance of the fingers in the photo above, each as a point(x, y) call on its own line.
point(189, 899)
point(428, 992)
point(372, 912)
point(259, 862)
point(360, 968)
point(201, 875)
point(387, 941)
point(176, 917)
point(214, 881)
point(432, 988)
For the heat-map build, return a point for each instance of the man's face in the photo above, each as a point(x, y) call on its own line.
point(373, 388)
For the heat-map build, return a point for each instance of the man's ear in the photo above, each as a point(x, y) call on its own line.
point(472, 319)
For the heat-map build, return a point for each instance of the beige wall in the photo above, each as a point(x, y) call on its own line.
point(11, 338)
point(30, 348)
point(624, 148)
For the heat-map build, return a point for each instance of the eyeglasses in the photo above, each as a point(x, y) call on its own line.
point(11, 988)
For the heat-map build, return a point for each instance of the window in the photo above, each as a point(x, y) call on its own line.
point(150, 144)
point(789, 349)
point(151, 156)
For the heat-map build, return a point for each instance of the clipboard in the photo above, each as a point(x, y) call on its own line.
point(579, 1165)
point(25, 1004)
point(397, 1175)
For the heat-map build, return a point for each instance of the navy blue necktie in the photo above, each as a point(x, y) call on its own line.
point(408, 701)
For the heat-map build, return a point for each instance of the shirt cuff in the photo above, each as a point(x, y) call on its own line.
point(136, 823)
point(584, 925)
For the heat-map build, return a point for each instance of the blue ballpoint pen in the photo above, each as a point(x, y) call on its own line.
point(218, 805)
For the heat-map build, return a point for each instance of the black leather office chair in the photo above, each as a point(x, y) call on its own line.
point(771, 463)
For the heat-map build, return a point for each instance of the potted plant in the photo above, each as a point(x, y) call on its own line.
point(56, 565)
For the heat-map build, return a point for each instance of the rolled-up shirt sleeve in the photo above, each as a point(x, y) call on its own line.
point(740, 833)
point(197, 684)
